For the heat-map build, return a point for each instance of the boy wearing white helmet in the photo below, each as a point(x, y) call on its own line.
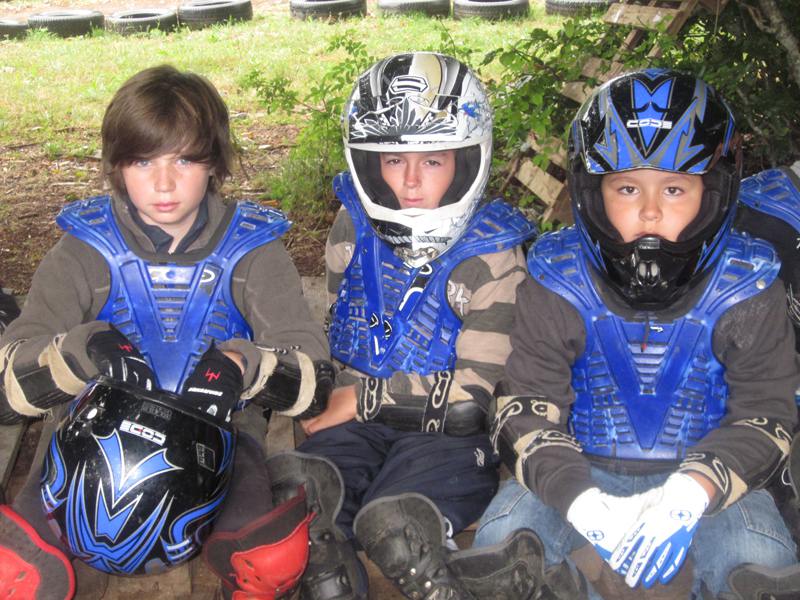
point(422, 273)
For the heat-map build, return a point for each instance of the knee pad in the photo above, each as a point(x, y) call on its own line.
point(30, 567)
point(266, 558)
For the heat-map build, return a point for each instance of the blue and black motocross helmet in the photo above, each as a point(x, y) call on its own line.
point(133, 481)
point(665, 120)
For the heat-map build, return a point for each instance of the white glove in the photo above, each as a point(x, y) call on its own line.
point(656, 546)
point(604, 519)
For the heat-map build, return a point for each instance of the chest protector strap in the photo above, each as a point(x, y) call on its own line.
point(172, 311)
point(648, 389)
point(391, 317)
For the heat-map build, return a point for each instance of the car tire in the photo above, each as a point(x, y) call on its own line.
point(490, 9)
point(432, 8)
point(574, 7)
point(11, 30)
point(327, 9)
point(203, 13)
point(67, 23)
point(126, 22)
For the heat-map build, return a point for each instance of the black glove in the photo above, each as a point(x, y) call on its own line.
point(114, 355)
point(215, 385)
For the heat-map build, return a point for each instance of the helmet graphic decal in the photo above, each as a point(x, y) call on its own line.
point(123, 481)
point(650, 106)
point(125, 557)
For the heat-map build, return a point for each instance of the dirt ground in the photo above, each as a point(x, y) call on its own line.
point(34, 187)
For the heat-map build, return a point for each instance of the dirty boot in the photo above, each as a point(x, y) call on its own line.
point(405, 537)
point(510, 570)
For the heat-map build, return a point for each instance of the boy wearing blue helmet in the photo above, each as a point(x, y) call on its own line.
point(649, 394)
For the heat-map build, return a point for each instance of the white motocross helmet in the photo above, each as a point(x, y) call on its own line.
point(418, 102)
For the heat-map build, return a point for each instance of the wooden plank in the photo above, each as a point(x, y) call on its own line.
point(601, 69)
point(576, 90)
point(557, 151)
point(10, 439)
point(561, 209)
point(642, 17)
point(540, 182)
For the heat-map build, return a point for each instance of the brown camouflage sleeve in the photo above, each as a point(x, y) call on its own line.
point(755, 342)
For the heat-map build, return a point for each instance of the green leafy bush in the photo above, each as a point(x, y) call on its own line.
point(304, 180)
point(747, 65)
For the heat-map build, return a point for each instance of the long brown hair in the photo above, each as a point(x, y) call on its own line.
point(161, 110)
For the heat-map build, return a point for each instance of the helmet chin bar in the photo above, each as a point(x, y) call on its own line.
point(648, 274)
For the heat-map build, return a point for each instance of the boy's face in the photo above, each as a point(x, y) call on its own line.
point(167, 191)
point(418, 179)
point(648, 202)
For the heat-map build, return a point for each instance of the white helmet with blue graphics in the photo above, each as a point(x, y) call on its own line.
point(418, 102)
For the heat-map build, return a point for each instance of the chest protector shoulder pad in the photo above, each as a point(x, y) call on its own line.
point(775, 193)
point(172, 311)
point(646, 389)
point(391, 317)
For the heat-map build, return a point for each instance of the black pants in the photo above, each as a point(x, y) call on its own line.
point(458, 474)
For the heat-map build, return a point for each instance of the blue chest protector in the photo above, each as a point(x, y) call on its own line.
point(649, 395)
point(390, 317)
point(171, 311)
point(775, 193)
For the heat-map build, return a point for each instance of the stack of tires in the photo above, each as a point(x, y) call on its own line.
point(193, 15)
point(487, 9)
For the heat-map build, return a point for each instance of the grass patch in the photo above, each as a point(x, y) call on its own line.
point(55, 91)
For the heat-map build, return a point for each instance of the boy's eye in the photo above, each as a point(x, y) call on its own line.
point(627, 190)
point(433, 162)
point(184, 161)
point(141, 162)
point(673, 191)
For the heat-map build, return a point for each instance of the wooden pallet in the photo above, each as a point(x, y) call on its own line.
point(644, 16)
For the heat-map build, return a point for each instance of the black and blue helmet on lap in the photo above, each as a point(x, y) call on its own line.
point(668, 121)
point(133, 481)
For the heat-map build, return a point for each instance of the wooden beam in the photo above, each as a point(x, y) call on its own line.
point(10, 439)
point(546, 187)
point(557, 151)
point(576, 90)
point(642, 17)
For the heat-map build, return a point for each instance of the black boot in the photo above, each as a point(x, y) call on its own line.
point(510, 570)
point(334, 571)
point(753, 582)
point(405, 536)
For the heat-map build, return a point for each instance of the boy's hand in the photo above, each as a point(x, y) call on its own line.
point(604, 519)
point(341, 409)
point(215, 384)
point(114, 355)
point(658, 542)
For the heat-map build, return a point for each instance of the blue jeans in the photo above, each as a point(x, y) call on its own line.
point(749, 531)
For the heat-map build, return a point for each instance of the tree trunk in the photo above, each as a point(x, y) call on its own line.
point(776, 25)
